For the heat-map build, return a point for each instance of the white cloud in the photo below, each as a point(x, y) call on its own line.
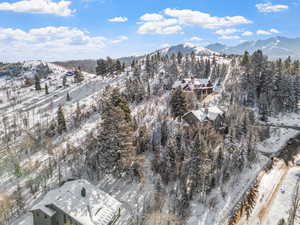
point(228, 37)
point(196, 39)
point(119, 19)
point(172, 30)
point(151, 17)
point(227, 31)
point(51, 43)
point(247, 33)
point(60, 8)
point(269, 7)
point(267, 32)
point(205, 20)
point(263, 32)
point(275, 31)
point(171, 21)
point(165, 26)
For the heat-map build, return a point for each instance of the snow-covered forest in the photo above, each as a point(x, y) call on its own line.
point(127, 130)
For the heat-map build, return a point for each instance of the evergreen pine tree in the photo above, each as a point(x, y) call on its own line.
point(119, 100)
point(46, 89)
point(207, 68)
point(61, 122)
point(179, 58)
point(245, 59)
point(101, 68)
point(132, 64)
point(148, 65)
point(37, 83)
point(64, 81)
point(78, 75)
point(110, 65)
point(118, 66)
point(178, 103)
point(77, 115)
point(113, 148)
point(19, 199)
point(68, 97)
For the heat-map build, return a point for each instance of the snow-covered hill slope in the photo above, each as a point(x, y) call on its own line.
point(187, 48)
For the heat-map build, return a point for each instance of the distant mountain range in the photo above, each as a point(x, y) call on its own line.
point(275, 47)
point(187, 48)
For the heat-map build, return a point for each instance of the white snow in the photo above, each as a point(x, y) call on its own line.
point(280, 136)
point(275, 193)
point(96, 208)
point(208, 113)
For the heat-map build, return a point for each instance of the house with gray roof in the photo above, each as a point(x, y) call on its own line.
point(78, 203)
point(207, 115)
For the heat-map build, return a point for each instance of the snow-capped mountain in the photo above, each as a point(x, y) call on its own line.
point(187, 48)
point(275, 47)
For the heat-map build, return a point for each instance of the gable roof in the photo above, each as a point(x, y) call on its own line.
point(96, 208)
point(212, 113)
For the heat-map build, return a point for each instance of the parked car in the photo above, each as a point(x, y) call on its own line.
point(70, 73)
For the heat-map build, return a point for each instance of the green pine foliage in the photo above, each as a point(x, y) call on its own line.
point(178, 103)
point(101, 68)
point(46, 89)
point(78, 76)
point(78, 115)
point(245, 59)
point(120, 101)
point(64, 81)
point(68, 97)
point(112, 151)
point(37, 83)
point(61, 122)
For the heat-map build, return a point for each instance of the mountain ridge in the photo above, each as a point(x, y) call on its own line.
point(274, 47)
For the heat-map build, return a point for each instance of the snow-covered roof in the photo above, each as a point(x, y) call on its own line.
point(96, 208)
point(211, 114)
point(192, 82)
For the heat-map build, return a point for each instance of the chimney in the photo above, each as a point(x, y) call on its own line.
point(83, 192)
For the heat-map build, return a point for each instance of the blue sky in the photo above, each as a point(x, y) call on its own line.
point(78, 29)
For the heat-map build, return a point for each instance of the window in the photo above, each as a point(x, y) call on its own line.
point(46, 216)
point(65, 219)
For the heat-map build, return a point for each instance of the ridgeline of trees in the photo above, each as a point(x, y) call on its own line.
point(109, 66)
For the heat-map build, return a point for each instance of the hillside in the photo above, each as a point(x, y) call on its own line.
point(87, 65)
point(276, 47)
point(130, 133)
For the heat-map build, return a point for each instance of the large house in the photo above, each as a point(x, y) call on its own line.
point(201, 87)
point(77, 203)
point(212, 115)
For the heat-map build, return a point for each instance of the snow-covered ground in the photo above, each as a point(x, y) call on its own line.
point(38, 107)
point(203, 215)
point(41, 108)
point(280, 136)
point(275, 193)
